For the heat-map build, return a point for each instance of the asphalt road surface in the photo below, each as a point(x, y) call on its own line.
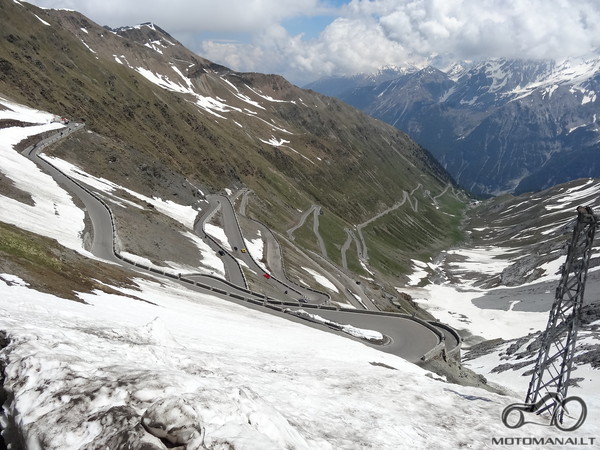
point(408, 339)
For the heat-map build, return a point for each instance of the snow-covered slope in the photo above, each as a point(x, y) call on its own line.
point(502, 80)
point(49, 210)
point(501, 282)
point(85, 374)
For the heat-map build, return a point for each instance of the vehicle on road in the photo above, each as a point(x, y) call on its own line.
point(221, 252)
point(302, 300)
point(243, 250)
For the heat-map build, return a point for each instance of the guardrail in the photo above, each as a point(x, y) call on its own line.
point(253, 297)
point(434, 352)
point(453, 352)
point(432, 328)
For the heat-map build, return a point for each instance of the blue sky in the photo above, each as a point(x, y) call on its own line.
point(309, 26)
point(304, 40)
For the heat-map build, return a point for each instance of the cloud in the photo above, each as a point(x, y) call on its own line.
point(499, 28)
point(365, 34)
point(181, 16)
point(373, 33)
point(345, 46)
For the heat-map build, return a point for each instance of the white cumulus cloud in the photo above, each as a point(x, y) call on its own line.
point(472, 29)
point(363, 34)
point(182, 16)
point(371, 33)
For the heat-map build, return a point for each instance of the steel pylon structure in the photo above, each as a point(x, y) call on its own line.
point(555, 358)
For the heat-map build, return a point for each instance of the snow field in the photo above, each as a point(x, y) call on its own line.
point(361, 333)
point(219, 234)
point(256, 249)
point(53, 213)
point(455, 307)
point(210, 260)
point(254, 380)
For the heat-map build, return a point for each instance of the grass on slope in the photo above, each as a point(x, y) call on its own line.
point(49, 267)
point(331, 229)
point(396, 238)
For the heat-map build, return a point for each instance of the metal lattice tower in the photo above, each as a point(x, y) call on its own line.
point(555, 359)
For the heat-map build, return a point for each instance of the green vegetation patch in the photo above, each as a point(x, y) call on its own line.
point(331, 229)
point(404, 234)
point(276, 201)
point(16, 245)
point(353, 262)
point(49, 267)
point(305, 236)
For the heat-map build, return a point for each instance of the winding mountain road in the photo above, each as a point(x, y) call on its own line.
point(301, 221)
point(315, 210)
point(410, 339)
point(233, 270)
point(363, 254)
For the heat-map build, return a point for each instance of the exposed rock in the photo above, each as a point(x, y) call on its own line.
point(128, 431)
point(522, 271)
point(176, 421)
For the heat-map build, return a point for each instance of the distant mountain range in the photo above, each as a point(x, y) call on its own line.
point(498, 125)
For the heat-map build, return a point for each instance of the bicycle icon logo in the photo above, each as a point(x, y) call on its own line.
point(569, 413)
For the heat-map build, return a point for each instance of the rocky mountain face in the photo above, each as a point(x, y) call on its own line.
point(166, 122)
point(497, 126)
